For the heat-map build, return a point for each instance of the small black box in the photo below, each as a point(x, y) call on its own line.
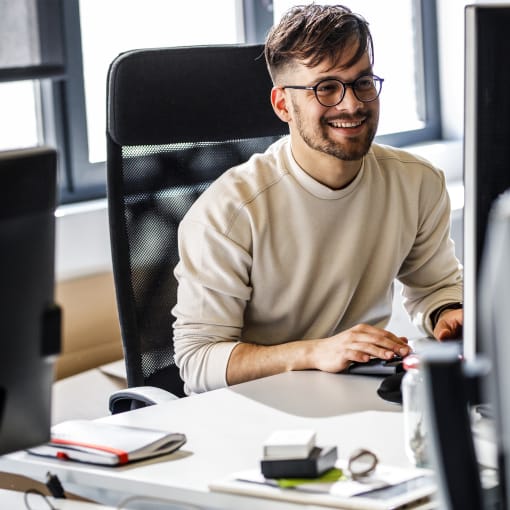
point(318, 462)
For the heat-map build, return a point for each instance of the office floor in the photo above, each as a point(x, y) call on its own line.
point(84, 395)
point(20, 483)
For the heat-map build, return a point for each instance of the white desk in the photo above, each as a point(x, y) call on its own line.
point(225, 430)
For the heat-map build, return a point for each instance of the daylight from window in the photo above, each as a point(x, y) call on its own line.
point(163, 23)
point(19, 115)
point(109, 28)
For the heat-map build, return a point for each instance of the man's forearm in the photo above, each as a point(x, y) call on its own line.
point(250, 361)
point(332, 354)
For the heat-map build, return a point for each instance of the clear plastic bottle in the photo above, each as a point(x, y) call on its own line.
point(413, 402)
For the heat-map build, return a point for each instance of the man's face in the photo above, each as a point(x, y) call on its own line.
point(344, 131)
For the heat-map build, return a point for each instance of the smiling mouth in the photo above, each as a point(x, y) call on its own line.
point(345, 124)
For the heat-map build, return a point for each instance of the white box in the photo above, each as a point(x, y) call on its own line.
point(289, 444)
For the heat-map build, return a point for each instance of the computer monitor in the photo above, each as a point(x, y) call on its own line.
point(494, 293)
point(486, 145)
point(29, 319)
point(486, 266)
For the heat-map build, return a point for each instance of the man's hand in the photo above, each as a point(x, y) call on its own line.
point(360, 343)
point(449, 325)
point(333, 354)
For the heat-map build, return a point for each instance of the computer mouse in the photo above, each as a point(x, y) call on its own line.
point(376, 366)
point(390, 388)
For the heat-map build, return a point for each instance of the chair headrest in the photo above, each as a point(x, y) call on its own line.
point(190, 94)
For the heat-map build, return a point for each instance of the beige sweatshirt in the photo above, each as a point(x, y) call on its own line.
point(269, 255)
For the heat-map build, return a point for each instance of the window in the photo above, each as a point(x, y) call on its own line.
point(19, 121)
point(96, 32)
point(111, 27)
point(31, 54)
point(23, 60)
point(47, 103)
point(20, 42)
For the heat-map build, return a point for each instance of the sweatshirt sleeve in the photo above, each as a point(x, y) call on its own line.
point(431, 273)
point(213, 276)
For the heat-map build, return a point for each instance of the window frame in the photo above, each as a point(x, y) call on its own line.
point(428, 80)
point(63, 99)
point(51, 49)
point(65, 105)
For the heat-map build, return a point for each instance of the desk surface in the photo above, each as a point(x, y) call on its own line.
point(225, 430)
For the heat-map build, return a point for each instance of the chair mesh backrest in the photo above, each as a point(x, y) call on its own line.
point(162, 154)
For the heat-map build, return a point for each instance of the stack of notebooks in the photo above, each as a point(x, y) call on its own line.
point(294, 454)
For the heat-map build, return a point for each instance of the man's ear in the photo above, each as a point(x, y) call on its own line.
point(279, 103)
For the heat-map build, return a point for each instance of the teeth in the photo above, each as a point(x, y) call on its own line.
point(345, 124)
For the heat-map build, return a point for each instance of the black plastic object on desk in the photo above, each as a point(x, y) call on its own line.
point(377, 366)
point(393, 370)
point(318, 462)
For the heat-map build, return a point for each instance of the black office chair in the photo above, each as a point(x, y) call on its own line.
point(177, 119)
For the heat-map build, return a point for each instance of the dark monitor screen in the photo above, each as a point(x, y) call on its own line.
point(486, 275)
point(486, 144)
point(29, 320)
point(494, 295)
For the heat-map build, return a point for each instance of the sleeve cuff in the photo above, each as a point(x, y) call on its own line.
point(434, 316)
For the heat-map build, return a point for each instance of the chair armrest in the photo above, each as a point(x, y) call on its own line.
point(134, 398)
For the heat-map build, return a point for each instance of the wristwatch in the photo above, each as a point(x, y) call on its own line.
point(434, 316)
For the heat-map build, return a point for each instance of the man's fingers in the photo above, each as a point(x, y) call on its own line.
point(378, 342)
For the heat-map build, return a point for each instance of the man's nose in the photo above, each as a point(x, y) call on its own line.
point(350, 101)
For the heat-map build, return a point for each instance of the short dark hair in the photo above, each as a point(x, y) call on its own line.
point(314, 33)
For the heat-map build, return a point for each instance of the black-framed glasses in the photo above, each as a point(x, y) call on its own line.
point(330, 92)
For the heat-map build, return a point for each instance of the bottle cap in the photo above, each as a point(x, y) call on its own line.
point(411, 362)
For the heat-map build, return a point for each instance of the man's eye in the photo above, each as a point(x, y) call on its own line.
point(365, 83)
point(328, 88)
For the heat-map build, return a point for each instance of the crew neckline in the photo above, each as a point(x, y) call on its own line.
point(316, 188)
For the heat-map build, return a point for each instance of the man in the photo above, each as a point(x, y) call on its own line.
point(287, 262)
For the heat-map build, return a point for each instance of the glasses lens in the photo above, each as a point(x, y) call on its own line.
point(329, 92)
point(362, 463)
point(367, 88)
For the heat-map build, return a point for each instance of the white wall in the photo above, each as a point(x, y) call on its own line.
point(82, 240)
